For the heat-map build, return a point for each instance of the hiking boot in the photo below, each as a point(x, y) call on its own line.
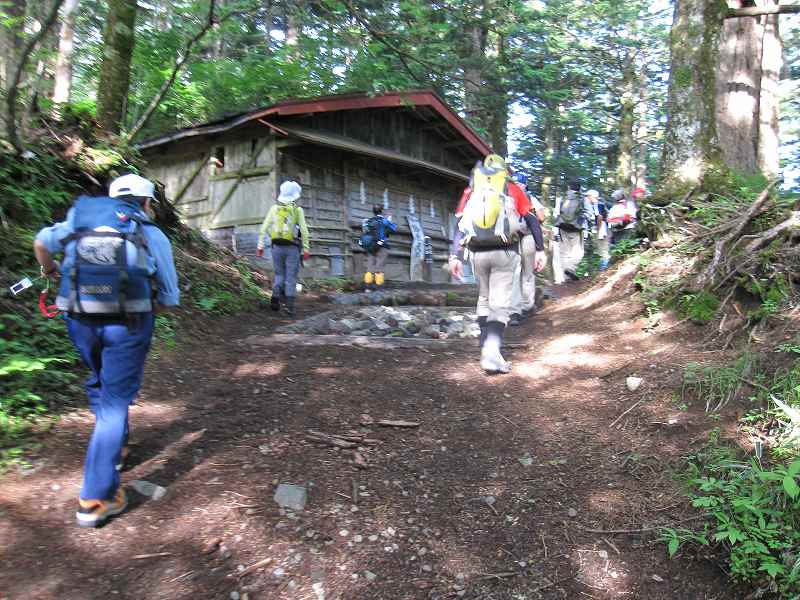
point(515, 320)
point(275, 303)
point(491, 359)
point(482, 325)
point(123, 456)
point(571, 274)
point(290, 307)
point(95, 513)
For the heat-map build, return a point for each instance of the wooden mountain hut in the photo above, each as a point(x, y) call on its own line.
point(407, 151)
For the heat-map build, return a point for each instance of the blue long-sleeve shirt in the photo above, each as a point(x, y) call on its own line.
point(160, 263)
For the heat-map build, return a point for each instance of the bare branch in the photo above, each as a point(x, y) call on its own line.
point(758, 11)
point(182, 58)
point(13, 88)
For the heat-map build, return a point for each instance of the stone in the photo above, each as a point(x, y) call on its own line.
point(370, 575)
point(319, 590)
point(234, 595)
point(634, 383)
point(146, 488)
point(290, 496)
point(572, 513)
point(525, 461)
point(278, 573)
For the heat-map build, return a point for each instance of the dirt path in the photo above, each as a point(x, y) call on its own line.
point(221, 423)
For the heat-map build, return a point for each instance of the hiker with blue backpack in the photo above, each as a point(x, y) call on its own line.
point(115, 260)
point(375, 242)
point(285, 224)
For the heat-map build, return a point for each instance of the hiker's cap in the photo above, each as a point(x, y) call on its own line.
point(593, 194)
point(495, 162)
point(618, 195)
point(290, 191)
point(132, 185)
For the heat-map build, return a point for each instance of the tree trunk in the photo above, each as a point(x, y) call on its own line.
point(10, 46)
point(115, 70)
point(768, 112)
point(473, 72)
point(738, 91)
point(495, 99)
point(66, 45)
point(626, 122)
point(549, 153)
point(690, 137)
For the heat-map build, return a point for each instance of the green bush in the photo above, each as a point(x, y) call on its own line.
point(699, 308)
point(754, 513)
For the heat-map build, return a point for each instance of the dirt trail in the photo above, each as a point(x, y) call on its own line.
point(222, 422)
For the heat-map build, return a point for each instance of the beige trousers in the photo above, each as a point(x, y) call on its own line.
point(494, 270)
point(603, 248)
point(377, 262)
point(524, 288)
point(571, 249)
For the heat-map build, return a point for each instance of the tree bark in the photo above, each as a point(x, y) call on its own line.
point(690, 144)
point(549, 153)
point(66, 45)
point(115, 70)
point(769, 105)
point(10, 46)
point(627, 119)
point(757, 11)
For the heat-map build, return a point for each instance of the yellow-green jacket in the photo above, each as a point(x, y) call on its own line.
point(268, 222)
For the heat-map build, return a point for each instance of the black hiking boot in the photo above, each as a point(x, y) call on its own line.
point(290, 307)
point(515, 320)
point(275, 302)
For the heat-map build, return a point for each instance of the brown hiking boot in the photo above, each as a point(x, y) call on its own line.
point(95, 513)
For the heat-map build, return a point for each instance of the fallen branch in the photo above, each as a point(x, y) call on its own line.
point(318, 436)
point(154, 555)
point(773, 233)
point(637, 403)
point(708, 275)
point(255, 567)
point(405, 424)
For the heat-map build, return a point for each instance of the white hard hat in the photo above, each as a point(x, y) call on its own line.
point(290, 191)
point(132, 185)
point(593, 193)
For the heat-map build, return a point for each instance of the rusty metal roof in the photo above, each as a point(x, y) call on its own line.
point(354, 101)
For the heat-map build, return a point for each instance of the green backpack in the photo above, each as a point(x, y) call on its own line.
point(285, 225)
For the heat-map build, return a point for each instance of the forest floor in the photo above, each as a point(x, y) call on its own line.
point(512, 487)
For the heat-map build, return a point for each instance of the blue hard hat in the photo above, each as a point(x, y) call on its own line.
point(520, 178)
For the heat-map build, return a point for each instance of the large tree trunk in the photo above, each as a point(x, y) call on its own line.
point(738, 91)
point(495, 99)
point(10, 47)
point(115, 70)
point(769, 107)
point(475, 37)
point(66, 45)
point(690, 145)
point(626, 122)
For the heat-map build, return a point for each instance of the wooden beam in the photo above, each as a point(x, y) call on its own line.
point(758, 11)
point(192, 177)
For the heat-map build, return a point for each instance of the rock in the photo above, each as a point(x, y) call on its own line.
point(278, 573)
point(370, 575)
point(603, 554)
point(151, 490)
point(572, 513)
point(373, 538)
point(234, 596)
point(427, 568)
point(432, 331)
point(358, 539)
point(454, 328)
point(525, 461)
point(490, 500)
point(290, 496)
point(366, 420)
point(319, 590)
point(633, 383)
point(55, 487)
point(657, 578)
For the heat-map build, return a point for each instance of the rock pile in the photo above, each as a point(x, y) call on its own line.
point(406, 321)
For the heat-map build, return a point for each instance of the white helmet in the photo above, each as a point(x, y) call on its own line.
point(132, 185)
point(593, 193)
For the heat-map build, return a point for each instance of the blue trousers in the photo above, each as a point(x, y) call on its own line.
point(115, 352)
point(286, 262)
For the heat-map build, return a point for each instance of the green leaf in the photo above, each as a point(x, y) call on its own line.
point(672, 546)
point(791, 487)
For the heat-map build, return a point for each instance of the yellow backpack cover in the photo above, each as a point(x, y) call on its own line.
point(490, 217)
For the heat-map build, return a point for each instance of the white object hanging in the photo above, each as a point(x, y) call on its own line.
point(385, 198)
point(362, 192)
point(412, 205)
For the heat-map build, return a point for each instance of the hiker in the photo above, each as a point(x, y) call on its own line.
point(488, 230)
point(622, 216)
point(375, 242)
point(286, 225)
point(523, 302)
point(573, 216)
point(602, 234)
point(113, 256)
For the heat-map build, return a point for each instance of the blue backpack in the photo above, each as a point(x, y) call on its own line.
point(372, 238)
point(105, 269)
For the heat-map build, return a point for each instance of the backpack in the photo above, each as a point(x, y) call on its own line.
point(571, 210)
point(490, 218)
point(619, 216)
point(105, 270)
point(286, 224)
point(371, 239)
